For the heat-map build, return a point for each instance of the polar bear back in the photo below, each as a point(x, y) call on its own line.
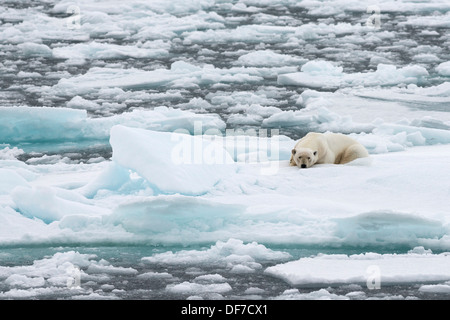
point(345, 149)
point(337, 142)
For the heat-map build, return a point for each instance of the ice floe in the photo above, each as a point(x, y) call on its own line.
point(323, 74)
point(369, 268)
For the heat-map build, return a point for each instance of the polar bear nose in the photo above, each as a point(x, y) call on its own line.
point(303, 165)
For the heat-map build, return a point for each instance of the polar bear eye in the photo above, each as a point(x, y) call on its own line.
point(309, 158)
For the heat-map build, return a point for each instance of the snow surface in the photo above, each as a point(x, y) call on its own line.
point(144, 149)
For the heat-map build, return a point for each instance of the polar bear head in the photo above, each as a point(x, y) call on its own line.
point(304, 157)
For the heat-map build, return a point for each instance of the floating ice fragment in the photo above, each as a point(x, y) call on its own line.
point(444, 69)
point(191, 288)
point(436, 288)
point(318, 67)
point(268, 58)
point(220, 253)
point(321, 294)
point(322, 74)
point(30, 49)
point(78, 102)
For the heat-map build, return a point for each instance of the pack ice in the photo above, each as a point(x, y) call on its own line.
point(168, 126)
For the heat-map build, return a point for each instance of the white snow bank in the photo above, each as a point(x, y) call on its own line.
point(18, 167)
point(163, 214)
point(368, 268)
point(15, 228)
point(256, 147)
point(392, 201)
point(323, 74)
point(171, 162)
point(243, 147)
point(112, 177)
point(9, 180)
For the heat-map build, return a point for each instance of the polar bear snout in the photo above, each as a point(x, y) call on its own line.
point(303, 158)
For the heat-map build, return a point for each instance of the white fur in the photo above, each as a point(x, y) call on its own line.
point(326, 147)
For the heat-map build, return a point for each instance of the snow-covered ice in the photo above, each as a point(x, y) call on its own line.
point(381, 268)
point(144, 149)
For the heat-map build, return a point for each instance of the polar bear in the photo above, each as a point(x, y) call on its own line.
point(326, 148)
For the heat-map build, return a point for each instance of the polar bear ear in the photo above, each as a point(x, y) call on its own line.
point(315, 153)
point(294, 151)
